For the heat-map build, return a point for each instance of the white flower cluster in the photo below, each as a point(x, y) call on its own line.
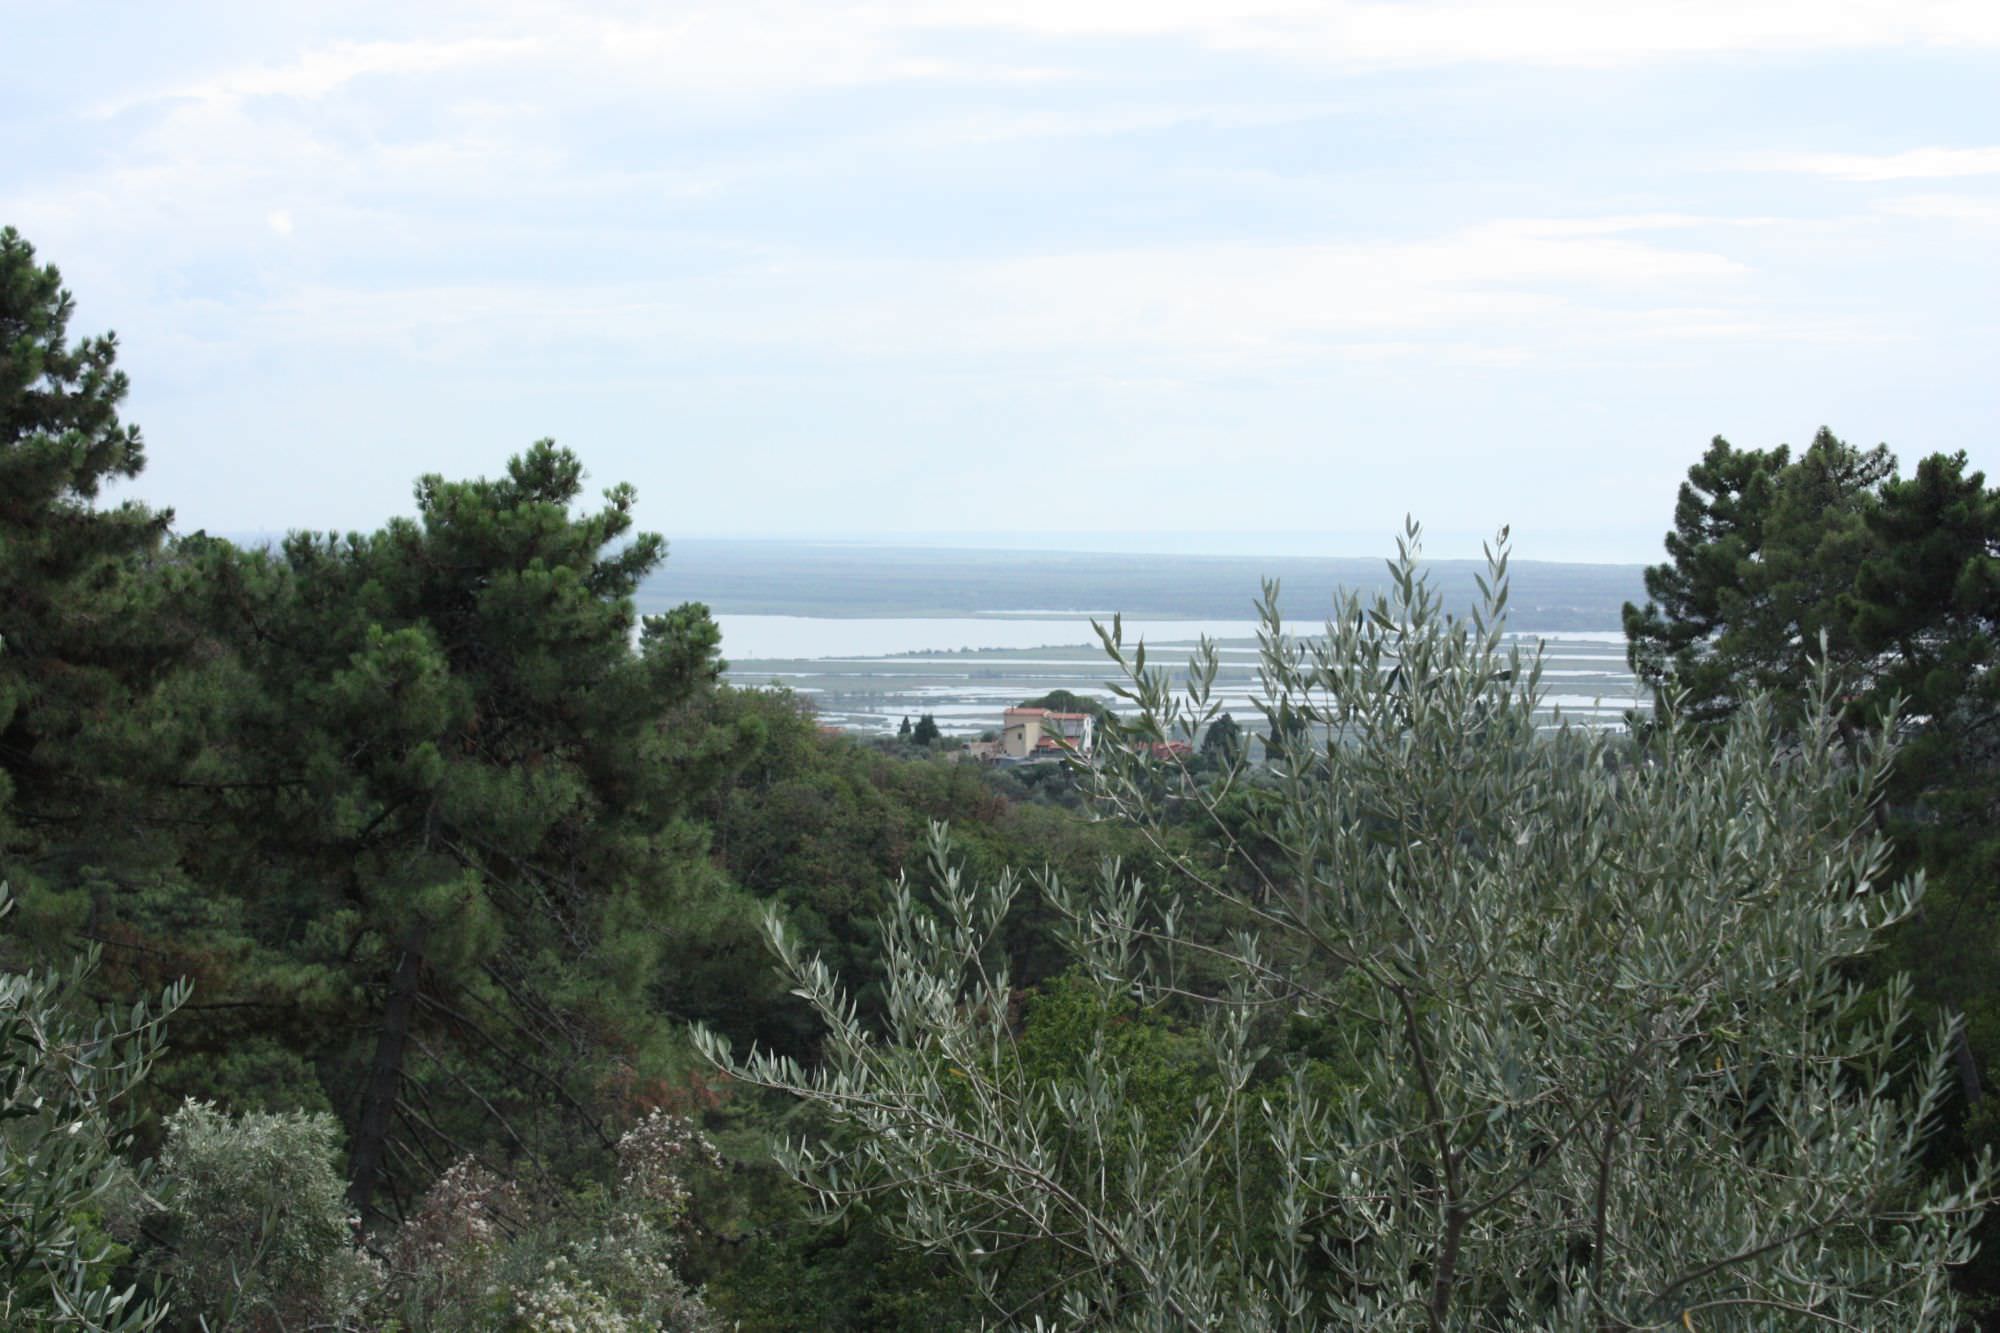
point(563, 1303)
point(653, 1157)
point(478, 1253)
point(459, 1220)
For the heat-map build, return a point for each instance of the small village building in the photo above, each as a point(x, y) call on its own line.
point(1042, 733)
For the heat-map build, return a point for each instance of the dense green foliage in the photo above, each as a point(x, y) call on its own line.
point(1518, 1031)
point(1222, 742)
point(1899, 579)
point(66, 1186)
point(449, 840)
point(438, 849)
point(80, 642)
point(436, 787)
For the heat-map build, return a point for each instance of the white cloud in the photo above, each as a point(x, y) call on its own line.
point(1911, 164)
point(328, 69)
point(496, 90)
point(1550, 32)
point(716, 52)
point(280, 221)
point(1491, 293)
point(1945, 208)
point(745, 50)
point(1009, 126)
point(1615, 223)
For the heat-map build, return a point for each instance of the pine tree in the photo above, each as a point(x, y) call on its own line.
point(1763, 547)
point(1222, 743)
point(1902, 577)
point(439, 798)
point(80, 641)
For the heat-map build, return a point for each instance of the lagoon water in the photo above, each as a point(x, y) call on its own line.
point(871, 635)
point(763, 638)
point(865, 674)
point(769, 637)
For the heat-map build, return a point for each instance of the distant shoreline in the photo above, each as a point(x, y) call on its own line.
point(823, 581)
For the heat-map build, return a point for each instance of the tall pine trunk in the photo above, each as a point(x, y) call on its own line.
point(385, 1075)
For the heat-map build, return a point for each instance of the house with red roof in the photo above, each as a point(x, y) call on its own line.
point(1043, 733)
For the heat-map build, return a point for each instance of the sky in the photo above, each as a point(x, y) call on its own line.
point(1161, 274)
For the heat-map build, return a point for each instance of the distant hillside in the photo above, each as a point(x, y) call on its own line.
point(801, 579)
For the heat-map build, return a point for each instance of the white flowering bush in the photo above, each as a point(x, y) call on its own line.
point(445, 1256)
point(479, 1254)
point(560, 1302)
point(654, 1159)
point(263, 1240)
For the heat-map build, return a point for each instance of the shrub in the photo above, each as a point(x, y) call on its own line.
point(262, 1234)
point(479, 1254)
point(64, 1127)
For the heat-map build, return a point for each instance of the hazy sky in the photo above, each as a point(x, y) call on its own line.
point(1038, 267)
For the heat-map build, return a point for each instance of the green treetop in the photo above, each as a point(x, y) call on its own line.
point(1222, 743)
point(444, 802)
point(78, 645)
point(1761, 550)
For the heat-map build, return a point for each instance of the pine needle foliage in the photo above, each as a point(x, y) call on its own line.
point(439, 791)
point(79, 645)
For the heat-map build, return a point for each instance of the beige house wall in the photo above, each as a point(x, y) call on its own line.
point(1022, 732)
point(1019, 739)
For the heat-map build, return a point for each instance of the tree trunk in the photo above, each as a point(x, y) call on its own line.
point(385, 1075)
point(1968, 1067)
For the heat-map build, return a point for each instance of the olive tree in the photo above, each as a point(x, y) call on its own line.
point(1507, 1022)
point(65, 1128)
